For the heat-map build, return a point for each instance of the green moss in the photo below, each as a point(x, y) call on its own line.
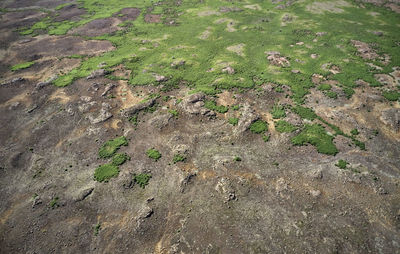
point(259, 126)
point(133, 119)
point(305, 113)
point(331, 94)
point(212, 105)
point(283, 126)
point(54, 202)
point(22, 66)
point(341, 164)
point(354, 132)
point(174, 112)
point(110, 147)
point(235, 107)
point(120, 158)
point(233, 120)
point(237, 158)
point(391, 95)
point(317, 136)
point(106, 172)
point(278, 111)
point(97, 229)
point(178, 158)
point(153, 154)
point(324, 87)
point(142, 179)
point(266, 137)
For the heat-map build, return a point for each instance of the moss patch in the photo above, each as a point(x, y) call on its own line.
point(106, 172)
point(283, 126)
point(316, 135)
point(110, 147)
point(153, 154)
point(142, 179)
point(259, 126)
point(22, 66)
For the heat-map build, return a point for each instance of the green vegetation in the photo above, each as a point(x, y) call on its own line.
point(97, 229)
point(354, 132)
point(341, 164)
point(316, 135)
point(22, 66)
point(391, 95)
point(178, 157)
point(235, 107)
point(305, 113)
point(153, 154)
point(174, 112)
point(134, 120)
point(278, 111)
point(259, 126)
point(324, 87)
point(119, 159)
point(106, 172)
point(233, 120)
point(54, 202)
point(266, 137)
point(212, 105)
point(110, 147)
point(331, 94)
point(237, 158)
point(283, 126)
point(142, 179)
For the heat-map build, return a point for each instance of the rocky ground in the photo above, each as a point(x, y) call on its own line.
point(240, 168)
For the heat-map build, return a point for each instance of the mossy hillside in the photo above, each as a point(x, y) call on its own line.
point(283, 126)
point(258, 30)
point(109, 148)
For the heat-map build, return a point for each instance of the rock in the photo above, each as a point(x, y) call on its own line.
point(177, 64)
point(247, 118)
point(225, 9)
point(295, 71)
point(12, 81)
point(160, 121)
point(103, 115)
point(137, 108)
point(97, 73)
point(107, 89)
point(31, 109)
point(385, 80)
point(193, 104)
point(315, 193)
point(281, 185)
point(185, 181)
point(40, 85)
point(84, 194)
point(275, 58)
point(365, 50)
point(144, 212)
point(321, 33)
point(224, 187)
point(181, 149)
point(314, 56)
point(229, 70)
point(316, 174)
point(391, 117)
point(36, 201)
point(160, 78)
point(378, 33)
point(14, 105)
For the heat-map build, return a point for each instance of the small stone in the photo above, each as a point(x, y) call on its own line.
point(315, 193)
point(229, 70)
point(314, 56)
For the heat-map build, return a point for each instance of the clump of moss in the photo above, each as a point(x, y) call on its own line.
point(174, 112)
point(324, 87)
point(341, 164)
point(391, 95)
point(178, 157)
point(133, 119)
point(212, 105)
point(305, 113)
point(142, 179)
point(119, 159)
point(237, 158)
point(97, 229)
point(266, 138)
point(317, 136)
point(278, 111)
point(22, 66)
point(354, 132)
point(153, 154)
point(283, 126)
point(110, 147)
point(106, 172)
point(331, 94)
point(54, 202)
point(259, 126)
point(233, 120)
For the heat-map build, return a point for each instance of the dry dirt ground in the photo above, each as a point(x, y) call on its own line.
point(277, 198)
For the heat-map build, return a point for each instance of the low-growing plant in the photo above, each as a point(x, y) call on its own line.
point(119, 159)
point(354, 132)
point(142, 179)
point(54, 202)
point(237, 158)
point(178, 157)
point(109, 148)
point(316, 135)
point(278, 111)
point(283, 126)
point(391, 95)
point(153, 154)
point(22, 66)
point(341, 164)
point(266, 137)
point(133, 119)
point(97, 229)
point(105, 172)
point(212, 105)
point(174, 112)
point(259, 126)
point(233, 120)
point(324, 87)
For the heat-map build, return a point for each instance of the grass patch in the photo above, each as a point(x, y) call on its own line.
point(97, 229)
point(120, 158)
point(109, 148)
point(354, 132)
point(153, 154)
point(278, 111)
point(212, 105)
point(305, 113)
point(22, 66)
point(324, 87)
point(283, 126)
point(178, 158)
point(54, 203)
point(233, 120)
point(342, 164)
point(391, 95)
point(317, 136)
point(142, 179)
point(259, 126)
point(174, 112)
point(105, 172)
